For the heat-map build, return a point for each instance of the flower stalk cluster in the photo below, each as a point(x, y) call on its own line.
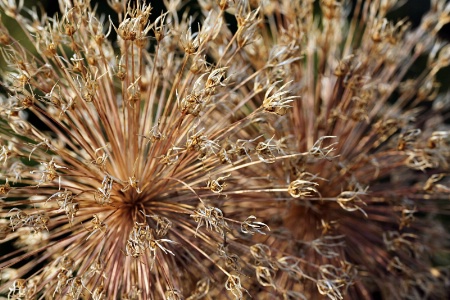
point(291, 156)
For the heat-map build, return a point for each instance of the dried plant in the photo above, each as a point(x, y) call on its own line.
point(292, 156)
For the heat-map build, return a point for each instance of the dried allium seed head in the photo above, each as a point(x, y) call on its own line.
point(292, 157)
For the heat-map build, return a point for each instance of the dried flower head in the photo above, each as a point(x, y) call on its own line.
point(290, 157)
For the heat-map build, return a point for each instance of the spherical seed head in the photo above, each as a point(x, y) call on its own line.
point(278, 160)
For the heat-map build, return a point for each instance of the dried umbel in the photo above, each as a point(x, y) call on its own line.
point(357, 222)
point(286, 158)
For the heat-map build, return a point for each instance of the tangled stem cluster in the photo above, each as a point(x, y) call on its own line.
point(286, 154)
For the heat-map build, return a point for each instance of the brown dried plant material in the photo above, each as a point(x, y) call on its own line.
point(292, 157)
